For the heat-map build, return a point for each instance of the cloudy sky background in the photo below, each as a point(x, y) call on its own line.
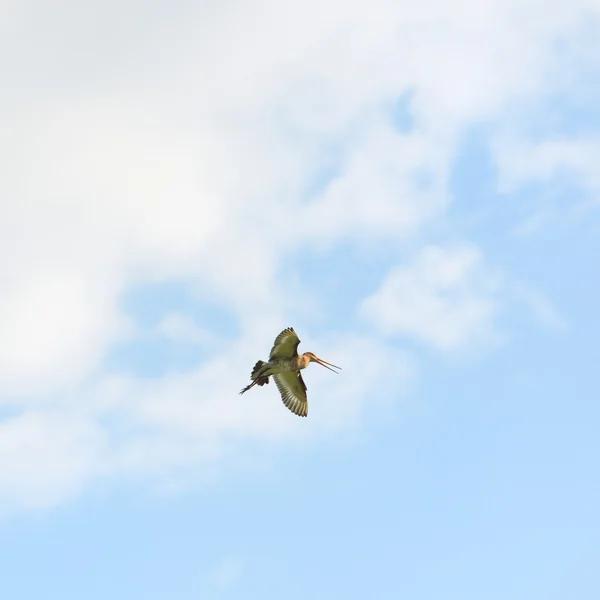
point(413, 187)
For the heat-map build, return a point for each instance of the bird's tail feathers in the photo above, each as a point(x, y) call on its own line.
point(258, 376)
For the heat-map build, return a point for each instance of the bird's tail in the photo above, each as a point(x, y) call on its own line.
point(258, 377)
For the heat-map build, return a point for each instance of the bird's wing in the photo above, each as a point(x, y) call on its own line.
point(292, 388)
point(285, 345)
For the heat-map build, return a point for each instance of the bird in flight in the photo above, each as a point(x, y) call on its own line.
point(285, 365)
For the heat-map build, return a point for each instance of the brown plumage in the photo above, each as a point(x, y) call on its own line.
point(285, 365)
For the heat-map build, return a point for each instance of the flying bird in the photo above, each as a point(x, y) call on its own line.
point(285, 365)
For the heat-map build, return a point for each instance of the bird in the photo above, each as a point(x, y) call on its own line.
point(284, 365)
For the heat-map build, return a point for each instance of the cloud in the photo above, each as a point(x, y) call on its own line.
point(46, 457)
point(204, 403)
point(391, 184)
point(162, 429)
point(53, 326)
point(445, 298)
point(533, 223)
point(542, 308)
point(522, 160)
point(182, 150)
point(182, 328)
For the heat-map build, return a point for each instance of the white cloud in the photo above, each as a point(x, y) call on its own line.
point(46, 457)
point(445, 298)
point(163, 429)
point(204, 404)
point(183, 328)
point(52, 327)
point(144, 143)
point(522, 160)
point(390, 186)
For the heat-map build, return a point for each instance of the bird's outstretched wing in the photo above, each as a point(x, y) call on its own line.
point(285, 345)
point(292, 388)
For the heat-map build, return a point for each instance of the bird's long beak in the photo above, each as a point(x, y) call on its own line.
point(327, 365)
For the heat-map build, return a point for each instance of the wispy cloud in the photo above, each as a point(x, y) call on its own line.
point(523, 160)
point(47, 456)
point(445, 298)
point(533, 223)
point(182, 328)
point(542, 308)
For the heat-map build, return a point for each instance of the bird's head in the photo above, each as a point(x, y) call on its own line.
point(314, 358)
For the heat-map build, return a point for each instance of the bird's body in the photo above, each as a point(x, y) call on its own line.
point(281, 365)
point(284, 366)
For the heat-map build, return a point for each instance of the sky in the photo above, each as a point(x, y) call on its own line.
point(414, 187)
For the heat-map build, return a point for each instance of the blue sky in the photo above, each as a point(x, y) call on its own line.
point(414, 189)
